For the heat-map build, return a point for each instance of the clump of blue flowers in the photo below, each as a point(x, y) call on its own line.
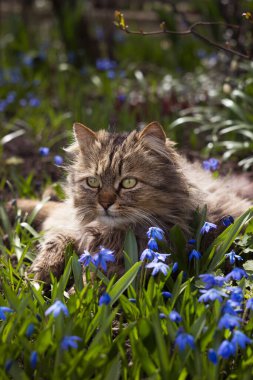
point(100, 259)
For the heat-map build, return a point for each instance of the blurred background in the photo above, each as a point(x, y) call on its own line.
point(65, 60)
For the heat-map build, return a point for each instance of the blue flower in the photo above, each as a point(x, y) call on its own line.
point(175, 267)
point(4, 309)
point(175, 316)
point(104, 64)
point(8, 364)
point(160, 256)
point(85, 258)
point(207, 227)
point(70, 342)
point(29, 330)
point(101, 258)
point(11, 97)
point(236, 295)
point(192, 241)
point(58, 160)
point(183, 340)
point(23, 102)
point(33, 359)
point(236, 274)
point(166, 295)
point(147, 254)
point(211, 165)
point(156, 233)
point(249, 304)
point(226, 349)
point(111, 74)
point(105, 299)
point(229, 321)
point(194, 255)
point(211, 295)
point(57, 308)
point(227, 220)
point(208, 279)
point(233, 257)
point(44, 151)
point(240, 339)
point(34, 102)
point(133, 300)
point(230, 308)
point(158, 267)
point(152, 244)
point(212, 356)
point(162, 316)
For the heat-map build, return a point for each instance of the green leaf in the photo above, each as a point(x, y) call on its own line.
point(114, 370)
point(77, 272)
point(123, 283)
point(131, 249)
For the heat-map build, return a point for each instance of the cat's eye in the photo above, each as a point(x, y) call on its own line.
point(93, 182)
point(128, 183)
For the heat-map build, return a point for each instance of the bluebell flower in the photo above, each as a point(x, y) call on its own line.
point(211, 165)
point(11, 97)
point(207, 227)
point(105, 64)
point(166, 294)
point(192, 241)
point(211, 295)
point(230, 308)
point(160, 256)
point(219, 280)
point(233, 257)
point(111, 74)
point(175, 267)
point(240, 339)
point(70, 341)
point(3, 105)
point(57, 308)
point(175, 316)
point(4, 309)
point(8, 365)
point(236, 274)
point(229, 321)
point(58, 160)
point(227, 220)
point(208, 279)
point(29, 330)
point(44, 151)
point(158, 267)
point(33, 359)
point(152, 244)
point(133, 300)
point(34, 102)
point(183, 340)
point(85, 258)
point(249, 304)
point(236, 295)
point(105, 299)
point(147, 254)
point(226, 349)
point(121, 97)
point(194, 254)
point(23, 102)
point(102, 257)
point(156, 233)
point(212, 356)
point(162, 316)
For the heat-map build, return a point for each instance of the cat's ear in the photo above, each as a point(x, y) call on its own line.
point(153, 129)
point(83, 135)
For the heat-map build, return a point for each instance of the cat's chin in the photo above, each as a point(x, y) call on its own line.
point(112, 221)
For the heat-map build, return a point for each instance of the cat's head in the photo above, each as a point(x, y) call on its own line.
point(119, 179)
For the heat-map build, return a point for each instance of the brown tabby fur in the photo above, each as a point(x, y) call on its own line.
point(168, 191)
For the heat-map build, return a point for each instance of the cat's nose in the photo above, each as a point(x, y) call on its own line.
point(106, 200)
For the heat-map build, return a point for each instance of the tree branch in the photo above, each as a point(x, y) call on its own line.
point(191, 30)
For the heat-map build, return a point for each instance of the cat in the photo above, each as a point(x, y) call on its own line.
point(132, 180)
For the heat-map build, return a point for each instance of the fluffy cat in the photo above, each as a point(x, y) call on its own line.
point(119, 180)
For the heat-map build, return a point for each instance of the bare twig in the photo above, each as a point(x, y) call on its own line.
point(191, 30)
